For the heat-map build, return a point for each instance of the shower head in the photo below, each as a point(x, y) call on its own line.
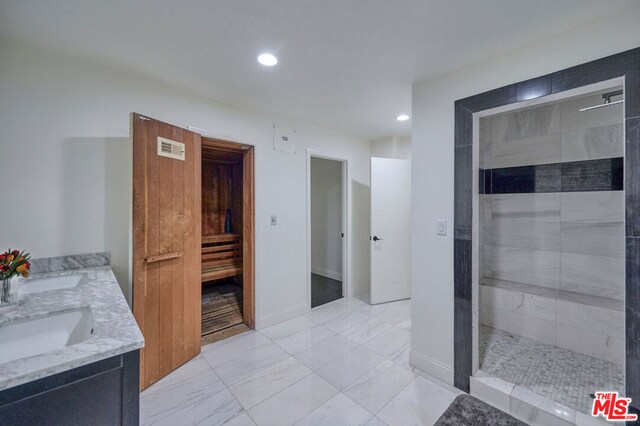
point(606, 97)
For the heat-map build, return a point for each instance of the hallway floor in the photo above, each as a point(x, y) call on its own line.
point(559, 374)
point(324, 290)
point(345, 363)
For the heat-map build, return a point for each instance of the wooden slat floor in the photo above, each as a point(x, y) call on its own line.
point(221, 310)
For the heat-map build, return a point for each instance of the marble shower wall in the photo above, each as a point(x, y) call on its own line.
point(552, 238)
point(559, 225)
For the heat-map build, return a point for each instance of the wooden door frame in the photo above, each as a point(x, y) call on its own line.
point(248, 221)
point(312, 153)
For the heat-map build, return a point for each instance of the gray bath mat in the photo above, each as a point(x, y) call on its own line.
point(466, 410)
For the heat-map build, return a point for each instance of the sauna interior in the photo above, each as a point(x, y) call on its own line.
point(223, 208)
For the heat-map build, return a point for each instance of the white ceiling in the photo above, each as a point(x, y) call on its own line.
point(344, 64)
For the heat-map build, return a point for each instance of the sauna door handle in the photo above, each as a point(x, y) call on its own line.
point(166, 256)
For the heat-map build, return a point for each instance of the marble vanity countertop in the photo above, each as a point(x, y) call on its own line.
point(115, 330)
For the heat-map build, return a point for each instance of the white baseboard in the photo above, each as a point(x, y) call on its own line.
point(334, 275)
point(433, 367)
point(273, 319)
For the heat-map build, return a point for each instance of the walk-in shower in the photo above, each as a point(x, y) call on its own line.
point(551, 247)
point(546, 271)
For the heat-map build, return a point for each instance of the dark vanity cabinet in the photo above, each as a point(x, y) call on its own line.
point(102, 393)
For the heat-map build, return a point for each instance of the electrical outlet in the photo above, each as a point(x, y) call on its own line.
point(274, 220)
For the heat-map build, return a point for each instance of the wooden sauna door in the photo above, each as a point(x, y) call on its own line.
point(166, 247)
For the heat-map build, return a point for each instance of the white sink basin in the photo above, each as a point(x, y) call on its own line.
point(34, 336)
point(38, 285)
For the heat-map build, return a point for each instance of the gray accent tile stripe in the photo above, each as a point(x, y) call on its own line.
point(593, 175)
point(575, 176)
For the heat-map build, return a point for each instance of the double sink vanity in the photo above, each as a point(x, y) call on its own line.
point(69, 350)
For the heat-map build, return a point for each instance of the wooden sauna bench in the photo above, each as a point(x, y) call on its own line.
point(222, 314)
point(221, 256)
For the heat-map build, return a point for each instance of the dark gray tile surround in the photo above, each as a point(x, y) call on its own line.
point(625, 64)
point(632, 195)
point(534, 88)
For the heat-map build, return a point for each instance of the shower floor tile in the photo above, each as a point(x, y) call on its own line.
point(559, 374)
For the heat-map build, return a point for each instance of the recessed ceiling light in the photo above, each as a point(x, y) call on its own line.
point(402, 117)
point(267, 59)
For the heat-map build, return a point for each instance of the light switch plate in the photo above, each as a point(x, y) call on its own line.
point(274, 220)
point(441, 227)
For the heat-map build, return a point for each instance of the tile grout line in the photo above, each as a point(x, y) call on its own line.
point(358, 345)
point(359, 377)
point(278, 393)
point(394, 397)
point(259, 371)
point(235, 417)
point(191, 405)
point(227, 388)
point(249, 414)
point(263, 369)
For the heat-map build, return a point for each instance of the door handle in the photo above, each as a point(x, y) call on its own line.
point(375, 238)
point(166, 256)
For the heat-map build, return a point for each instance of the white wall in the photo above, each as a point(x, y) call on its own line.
point(433, 167)
point(66, 154)
point(326, 218)
point(392, 147)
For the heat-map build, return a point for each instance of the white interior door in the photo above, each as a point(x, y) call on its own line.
point(390, 229)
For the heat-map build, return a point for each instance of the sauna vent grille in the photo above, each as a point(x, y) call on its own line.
point(171, 149)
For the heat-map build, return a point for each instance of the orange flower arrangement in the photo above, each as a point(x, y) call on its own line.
point(13, 263)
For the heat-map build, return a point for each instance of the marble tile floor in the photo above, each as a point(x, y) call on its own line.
point(344, 363)
point(555, 373)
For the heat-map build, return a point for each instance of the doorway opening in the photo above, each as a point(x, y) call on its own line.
point(192, 242)
point(227, 199)
point(327, 215)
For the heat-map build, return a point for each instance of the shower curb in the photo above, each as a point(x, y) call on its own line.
point(524, 404)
